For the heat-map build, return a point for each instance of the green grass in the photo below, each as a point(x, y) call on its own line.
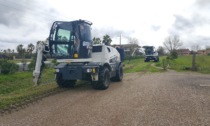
point(19, 60)
point(138, 65)
point(17, 87)
point(183, 62)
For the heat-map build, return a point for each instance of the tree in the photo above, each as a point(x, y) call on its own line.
point(195, 48)
point(161, 51)
point(31, 48)
point(96, 40)
point(172, 43)
point(107, 40)
point(9, 51)
point(134, 43)
point(5, 51)
point(21, 50)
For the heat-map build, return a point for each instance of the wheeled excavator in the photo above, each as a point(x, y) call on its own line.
point(70, 43)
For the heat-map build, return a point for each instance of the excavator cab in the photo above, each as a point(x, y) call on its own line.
point(70, 40)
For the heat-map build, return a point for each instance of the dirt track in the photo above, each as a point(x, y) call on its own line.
point(169, 98)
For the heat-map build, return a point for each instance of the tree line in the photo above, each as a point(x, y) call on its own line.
point(170, 45)
point(21, 51)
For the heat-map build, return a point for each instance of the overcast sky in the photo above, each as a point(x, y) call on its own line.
point(150, 21)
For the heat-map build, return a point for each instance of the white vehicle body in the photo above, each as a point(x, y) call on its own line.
point(71, 44)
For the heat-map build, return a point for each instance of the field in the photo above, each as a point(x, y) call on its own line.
point(184, 63)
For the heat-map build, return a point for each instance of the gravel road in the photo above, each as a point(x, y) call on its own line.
point(159, 99)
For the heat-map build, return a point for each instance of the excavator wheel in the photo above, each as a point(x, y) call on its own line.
point(104, 80)
point(64, 83)
point(119, 74)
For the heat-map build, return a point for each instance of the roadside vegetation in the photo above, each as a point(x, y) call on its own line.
point(138, 65)
point(184, 63)
point(18, 87)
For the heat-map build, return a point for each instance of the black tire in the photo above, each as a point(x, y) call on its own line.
point(157, 60)
point(119, 74)
point(104, 80)
point(146, 60)
point(64, 83)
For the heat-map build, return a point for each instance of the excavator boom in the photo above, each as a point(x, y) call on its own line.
point(40, 49)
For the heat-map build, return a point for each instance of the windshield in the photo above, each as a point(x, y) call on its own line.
point(69, 38)
point(149, 50)
point(61, 32)
point(63, 35)
point(85, 32)
point(63, 40)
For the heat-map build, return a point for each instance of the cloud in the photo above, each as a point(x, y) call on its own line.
point(155, 27)
point(193, 26)
point(12, 12)
point(203, 3)
point(184, 24)
point(24, 22)
point(202, 41)
point(111, 32)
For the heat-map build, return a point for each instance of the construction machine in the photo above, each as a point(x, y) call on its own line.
point(70, 43)
point(150, 54)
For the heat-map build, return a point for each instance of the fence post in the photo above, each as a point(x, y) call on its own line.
point(193, 62)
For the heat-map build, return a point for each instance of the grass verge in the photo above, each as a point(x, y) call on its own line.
point(138, 65)
point(184, 63)
point(18, 87)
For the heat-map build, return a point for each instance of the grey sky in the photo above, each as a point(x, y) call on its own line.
point(150, 21)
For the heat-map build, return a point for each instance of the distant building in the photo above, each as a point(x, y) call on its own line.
point(201, 52)
point(208, 51)
point(184, 52)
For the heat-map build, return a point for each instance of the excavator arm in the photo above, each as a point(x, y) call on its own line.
point(41, 49)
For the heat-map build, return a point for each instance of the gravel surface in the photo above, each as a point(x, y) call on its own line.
point(161, 99)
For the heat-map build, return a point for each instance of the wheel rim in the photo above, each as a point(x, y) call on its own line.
point(106, 81)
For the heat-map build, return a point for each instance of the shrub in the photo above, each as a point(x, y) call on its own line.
point(31, 66)
point(8, 67)
point(173, 55)
point(54, 62)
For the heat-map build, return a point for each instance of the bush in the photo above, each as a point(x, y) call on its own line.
point(173, 55)
point(31, 66)
point(133, 57)
point(165, 63)
point(8, 67)
point(54, 62)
